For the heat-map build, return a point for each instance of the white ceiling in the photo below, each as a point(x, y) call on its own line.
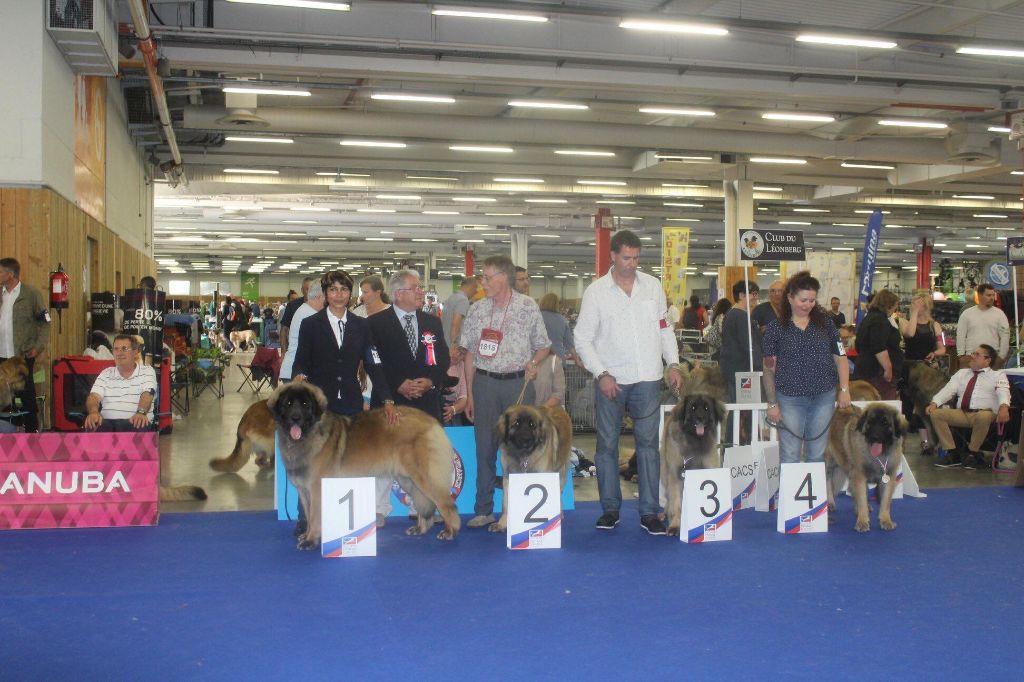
point(581, 56)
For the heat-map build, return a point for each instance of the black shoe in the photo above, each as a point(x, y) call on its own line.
point(971, 461)
point(652, 524)
point(608, 520)
point(927, 450)
point(946, 459)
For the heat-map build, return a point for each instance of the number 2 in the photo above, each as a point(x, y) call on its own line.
point(809, 497)
point(712, 497)
point(351, 507)
point(530, 518)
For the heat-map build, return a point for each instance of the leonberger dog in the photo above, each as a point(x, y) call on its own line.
point(923, 382)
point(13, 375)
point(691, 437)
point(254, 435)
point(243, 337)
point(317, 444)
point(532, 440)
point(865, 446)
point(863, 391)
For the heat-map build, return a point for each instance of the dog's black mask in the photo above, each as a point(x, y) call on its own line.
point(699, 416)
point(878, 426)
point(523, 433)
point(296, 408)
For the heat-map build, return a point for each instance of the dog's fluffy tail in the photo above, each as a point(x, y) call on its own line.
point(178, 493)
point(233, 462)
point(704, 380)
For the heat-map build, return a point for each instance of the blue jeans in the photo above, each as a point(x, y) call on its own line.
point(807, 416)
point(642, 400)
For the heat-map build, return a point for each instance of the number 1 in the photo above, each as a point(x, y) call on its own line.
point(351, 507)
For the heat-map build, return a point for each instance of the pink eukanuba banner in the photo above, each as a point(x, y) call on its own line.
point(77, 480)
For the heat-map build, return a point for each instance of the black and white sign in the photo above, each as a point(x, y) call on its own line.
point(771, 245)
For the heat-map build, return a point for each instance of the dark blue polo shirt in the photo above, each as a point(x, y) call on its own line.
point(804, 358)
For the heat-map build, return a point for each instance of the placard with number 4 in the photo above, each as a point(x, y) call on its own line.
point(803, 499)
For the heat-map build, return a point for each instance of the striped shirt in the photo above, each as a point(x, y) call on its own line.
point(120, 396)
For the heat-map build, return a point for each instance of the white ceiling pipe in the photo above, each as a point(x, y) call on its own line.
point(574, 133)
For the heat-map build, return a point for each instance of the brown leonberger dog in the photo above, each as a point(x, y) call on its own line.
point(13, 374)
point(861, 390)
point(923, 382)
point(863, 447)
point(254, 436)
point(532, 440)
point(317, 444)
point(691, 437)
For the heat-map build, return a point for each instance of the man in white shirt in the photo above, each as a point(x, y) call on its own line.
point(982, 396)
point(983, 323)
point(622, 335)
point(122, 396)
point(314, 304)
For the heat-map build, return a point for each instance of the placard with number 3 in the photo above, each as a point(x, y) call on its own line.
point(707, 506)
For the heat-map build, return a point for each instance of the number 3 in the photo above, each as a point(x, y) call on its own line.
point(712, 496)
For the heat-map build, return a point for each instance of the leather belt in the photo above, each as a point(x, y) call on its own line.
point(502, 375)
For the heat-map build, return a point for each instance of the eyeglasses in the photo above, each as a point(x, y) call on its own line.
point(122, 349)
point(418, 287)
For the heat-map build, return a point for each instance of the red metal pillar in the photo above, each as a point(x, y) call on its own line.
point(924, 263)
point(603, 226)
point(469, 260)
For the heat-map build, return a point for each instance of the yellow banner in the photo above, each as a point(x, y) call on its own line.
point(675, 254)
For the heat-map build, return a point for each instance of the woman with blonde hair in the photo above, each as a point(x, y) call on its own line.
point(372, 296)
point(923, 341)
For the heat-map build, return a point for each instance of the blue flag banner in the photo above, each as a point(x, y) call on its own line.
point(867, 263)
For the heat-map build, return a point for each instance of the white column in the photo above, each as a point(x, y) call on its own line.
point(519, 243)
point(739, 212)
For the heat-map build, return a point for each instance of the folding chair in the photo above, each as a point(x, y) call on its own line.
point(261, 371)
point(208, 375)
point(181, 387)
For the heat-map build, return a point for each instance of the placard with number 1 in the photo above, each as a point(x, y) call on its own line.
point(348, 517)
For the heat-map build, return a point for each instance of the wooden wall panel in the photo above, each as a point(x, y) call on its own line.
point(41, 229)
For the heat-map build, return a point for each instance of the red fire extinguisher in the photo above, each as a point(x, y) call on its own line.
point(60, 285)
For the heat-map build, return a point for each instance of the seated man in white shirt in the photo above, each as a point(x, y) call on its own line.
point(122, 396)
point(982, 396)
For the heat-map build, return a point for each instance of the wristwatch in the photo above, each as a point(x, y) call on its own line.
point(603, 374)
point(140, 411)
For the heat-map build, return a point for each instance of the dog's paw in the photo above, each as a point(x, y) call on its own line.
point(414, 530)
point(496, 527)
point(887, 524)
point(447, 534)
point(862, 526)
point(305, 542)
point(300, 528)
point(673, 531)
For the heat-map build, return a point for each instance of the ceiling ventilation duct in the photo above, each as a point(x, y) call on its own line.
point(971, 143)
point(241, 112)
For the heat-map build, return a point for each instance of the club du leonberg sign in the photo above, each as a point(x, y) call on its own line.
point(771, 245)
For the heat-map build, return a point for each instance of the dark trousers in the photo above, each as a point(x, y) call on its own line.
point(28, 398)
point(119, 426)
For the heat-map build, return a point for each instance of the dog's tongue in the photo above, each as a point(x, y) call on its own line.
point(699, 428)
point(876, 449)
point(295, 432)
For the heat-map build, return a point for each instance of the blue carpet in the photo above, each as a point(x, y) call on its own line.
point(226, 596)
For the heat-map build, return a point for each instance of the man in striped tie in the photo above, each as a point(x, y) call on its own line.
point(982, 396)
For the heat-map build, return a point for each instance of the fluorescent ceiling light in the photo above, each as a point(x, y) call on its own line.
point(848, 224)
point(973, 196)
point(681, 157)
point(256, 90)
point(301, 4)
point(1020, 172)
point(379, 239)
point(539, 104)
point(614, 201)
point(673, 111)
point(808, 118)
point(478, 148)
point(811, 210)
point(502, 214)
point(793, 222)
point(868, 211)
point(773, 159)
point(346, 175)
point(546, 236)
point(612, 183)
point(673, 27)
point(372, 143)
point(683, 220)
point(872, 166)
point(476, 14)
point(989, 215)
point(431, 177)
point(672, 184)
point(400, 197)
point(627, 217)
point(842, 248)
point(251, 171)
point(999, 129)
point(684, 205)
point(274, 140)
point(990, 51)
point(311, 209)
point(761, 188)
point(470, 241)
point(399, 97)
point(375, 210)
point(423, 239)
point(583, 152)
point(952, 251)
point(546, 201)
point(299, 222)
point(844, 41)
point(440, 213)
point(475, 199)
point(528, 181)
point(913, 124)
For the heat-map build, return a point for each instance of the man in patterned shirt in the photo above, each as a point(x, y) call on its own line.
point(503, 341)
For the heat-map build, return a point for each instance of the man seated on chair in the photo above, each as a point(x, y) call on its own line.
point(122, 396)
point(982, 396)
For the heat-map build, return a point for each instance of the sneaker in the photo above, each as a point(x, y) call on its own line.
point(608, 520)
point(652, 524)
point(971, 461)
point(946, 459)
point(481, 520)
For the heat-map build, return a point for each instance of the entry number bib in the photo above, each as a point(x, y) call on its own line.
point(490, 340)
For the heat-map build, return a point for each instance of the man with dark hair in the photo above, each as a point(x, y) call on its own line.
point(503, 342)
point(147, 282)
point(122, 396)
point(736, 352)
point(837, 315)
point(522, 281)
point(983, 324)
point(982, 396)
point(694, 315)
point(24, 331)
point(622, 335)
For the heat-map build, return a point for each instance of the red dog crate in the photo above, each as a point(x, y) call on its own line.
point(73, 377)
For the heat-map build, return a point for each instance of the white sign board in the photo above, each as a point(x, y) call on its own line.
point(742, 466)
point(348, 517)
point(748, 387)
point(803, 499)
point(766, 491)
point(707, 506)
point(534, 512)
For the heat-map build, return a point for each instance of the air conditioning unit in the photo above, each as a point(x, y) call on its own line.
point(85, 32)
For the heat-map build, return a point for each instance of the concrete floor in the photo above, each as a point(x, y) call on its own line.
point(208, 431)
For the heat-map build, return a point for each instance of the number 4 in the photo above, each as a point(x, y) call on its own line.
point(809, 497)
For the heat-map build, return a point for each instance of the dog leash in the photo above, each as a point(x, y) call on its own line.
point(526, 382)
